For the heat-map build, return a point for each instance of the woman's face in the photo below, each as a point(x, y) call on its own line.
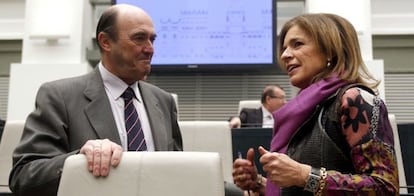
point(301, 57)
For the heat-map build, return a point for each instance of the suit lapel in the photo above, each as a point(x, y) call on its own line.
point(155, 115)
point(259, 114)
point(99, 111)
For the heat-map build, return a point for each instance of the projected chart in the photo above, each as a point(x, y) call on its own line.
point(211, 32)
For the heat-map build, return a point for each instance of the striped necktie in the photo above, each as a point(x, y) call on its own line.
point(135, 134)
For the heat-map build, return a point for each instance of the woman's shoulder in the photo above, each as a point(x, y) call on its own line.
point(357, 95)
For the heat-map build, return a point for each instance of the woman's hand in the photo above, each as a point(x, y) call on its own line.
point(245, 172)
point(282, 170)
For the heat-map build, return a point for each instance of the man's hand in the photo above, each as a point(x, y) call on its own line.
point(245, 172)
point(100, 155)
point(235, 122)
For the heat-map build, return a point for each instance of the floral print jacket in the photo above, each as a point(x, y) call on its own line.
point(372, 148)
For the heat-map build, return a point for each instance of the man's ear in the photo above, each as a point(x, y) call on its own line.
point(267, 98)
point(104, 41)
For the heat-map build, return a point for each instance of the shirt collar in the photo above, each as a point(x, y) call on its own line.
point(114, 84)
point(266, 112)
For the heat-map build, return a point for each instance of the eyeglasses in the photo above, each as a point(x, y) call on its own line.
point(277, 97)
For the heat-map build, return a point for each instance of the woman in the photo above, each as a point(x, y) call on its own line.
point(334, 137)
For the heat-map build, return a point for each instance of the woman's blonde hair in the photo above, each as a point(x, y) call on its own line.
point(338, 40)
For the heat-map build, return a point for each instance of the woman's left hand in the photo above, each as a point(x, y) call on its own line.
point(282, 170)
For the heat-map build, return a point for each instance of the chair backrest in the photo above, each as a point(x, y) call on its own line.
point(11, 136)
point(248, 104)
point(147, 173)
point(209, 136)
point(397, 148)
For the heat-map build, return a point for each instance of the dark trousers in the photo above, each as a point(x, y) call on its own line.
point(231, 189)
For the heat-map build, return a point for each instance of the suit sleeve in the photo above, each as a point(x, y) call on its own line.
point(243, 116)
point(178, 143)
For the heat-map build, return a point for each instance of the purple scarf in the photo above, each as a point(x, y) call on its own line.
point(292, 115)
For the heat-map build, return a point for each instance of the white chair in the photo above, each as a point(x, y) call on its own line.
point(147, 174)
point(397, 148)
point(209, 136)
point(248, 104)
point(11, 137)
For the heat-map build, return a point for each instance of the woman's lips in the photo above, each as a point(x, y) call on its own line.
point(290, 68)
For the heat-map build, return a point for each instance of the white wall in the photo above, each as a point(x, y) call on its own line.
point(56, 35)
point(11, 19)
point(54, 47)
point(392, 17)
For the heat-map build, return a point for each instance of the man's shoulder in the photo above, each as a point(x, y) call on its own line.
point(152, 87)
point(251, 110)
point(74, 81)
point(71, 86)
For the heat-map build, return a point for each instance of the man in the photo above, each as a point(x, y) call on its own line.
point(86, 114)
point(273, 97)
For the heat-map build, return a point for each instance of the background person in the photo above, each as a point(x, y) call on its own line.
point(85, 114)
point(334, 137)
point(272, 98)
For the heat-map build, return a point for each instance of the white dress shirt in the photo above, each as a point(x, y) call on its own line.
point(114, 88)
point(267, 118)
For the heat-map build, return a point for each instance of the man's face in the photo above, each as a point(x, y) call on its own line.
point(277, 100)
point(130, 55)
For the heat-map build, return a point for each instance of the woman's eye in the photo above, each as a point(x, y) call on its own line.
point(297, 44)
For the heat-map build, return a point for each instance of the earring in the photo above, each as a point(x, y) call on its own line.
point(328, 64)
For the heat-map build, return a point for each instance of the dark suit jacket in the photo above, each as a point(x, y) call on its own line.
point(2, 123)
point(68, 113)
point(251, 117)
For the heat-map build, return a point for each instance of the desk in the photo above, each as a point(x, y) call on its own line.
point(406, 134)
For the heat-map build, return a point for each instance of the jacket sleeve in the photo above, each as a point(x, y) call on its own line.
point(38, 159)
point(372, 149)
